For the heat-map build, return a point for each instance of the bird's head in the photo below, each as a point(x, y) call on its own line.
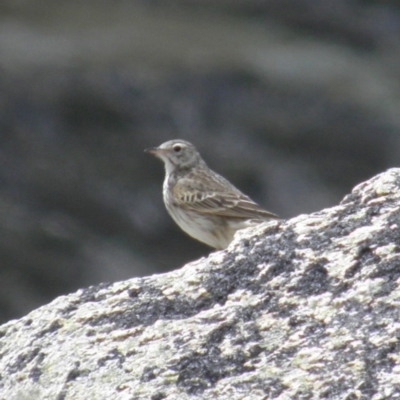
point(177, 154)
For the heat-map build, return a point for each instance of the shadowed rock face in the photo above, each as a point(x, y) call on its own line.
point(303, 308)
point(293, 101)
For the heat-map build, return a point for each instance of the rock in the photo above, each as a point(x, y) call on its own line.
point(298, 309)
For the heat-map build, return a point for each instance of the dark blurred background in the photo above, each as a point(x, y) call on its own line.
point(295, 101)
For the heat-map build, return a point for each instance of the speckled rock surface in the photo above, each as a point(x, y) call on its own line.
point(302, 309)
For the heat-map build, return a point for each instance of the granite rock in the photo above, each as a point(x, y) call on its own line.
point(306, 308)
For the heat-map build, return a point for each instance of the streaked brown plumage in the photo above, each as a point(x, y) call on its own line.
point(204, 204)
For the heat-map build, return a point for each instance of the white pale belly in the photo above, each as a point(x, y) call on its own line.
point(202, 229)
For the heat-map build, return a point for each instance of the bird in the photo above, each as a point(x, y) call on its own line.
point(204, 204)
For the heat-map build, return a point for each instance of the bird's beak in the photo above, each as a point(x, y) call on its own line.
point(152, 150)
point(156, 151)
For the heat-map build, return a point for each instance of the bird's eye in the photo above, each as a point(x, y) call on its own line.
point(177, 148)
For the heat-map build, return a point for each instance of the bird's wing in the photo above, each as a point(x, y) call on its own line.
point(222, 199)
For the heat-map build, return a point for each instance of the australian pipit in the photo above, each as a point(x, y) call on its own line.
point(204, 204)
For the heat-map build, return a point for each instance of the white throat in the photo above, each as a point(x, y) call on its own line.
point(169, 167)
